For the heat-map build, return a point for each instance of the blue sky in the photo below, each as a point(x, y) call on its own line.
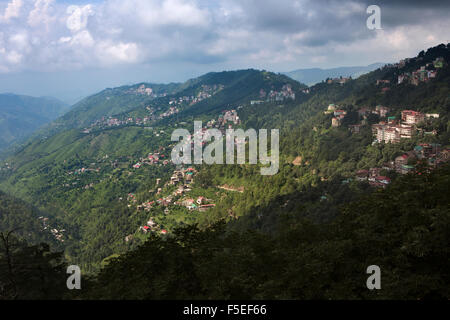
point(69, 49)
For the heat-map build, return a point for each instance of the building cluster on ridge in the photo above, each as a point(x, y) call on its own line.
point(423, 74)
point(393, 130)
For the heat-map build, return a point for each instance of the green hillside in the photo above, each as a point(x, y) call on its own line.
point(402, 229)
point(104, 177)
point(83, 174)
point(26, 221)
point(106, 103)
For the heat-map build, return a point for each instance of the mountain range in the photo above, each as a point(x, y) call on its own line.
point(21, 115)
point(103, 188)
point(312, 76)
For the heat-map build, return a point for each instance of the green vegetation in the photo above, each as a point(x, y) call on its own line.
point(94, 179)
point(30, 272)
point(402, 229)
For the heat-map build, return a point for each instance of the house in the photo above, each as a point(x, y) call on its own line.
point(412, 117)
point(391, 120)
point(189, 177)
point(330, 109)
point(344, 80)
point(405, 169)
point(432, 74)
point(381, 111)
point(406, 131)
point(377, 184)
point(387, 133)
point(362, 175)
point(335, 122)
point(187, 202)
point(374, 172)
point(174, 180)
point(401, 160)
point(383, 179)
point(339, 112)
point(390, 165)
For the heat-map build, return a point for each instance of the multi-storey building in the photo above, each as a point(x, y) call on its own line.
point(412, 117)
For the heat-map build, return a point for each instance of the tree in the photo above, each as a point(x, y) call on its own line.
point(30, 271)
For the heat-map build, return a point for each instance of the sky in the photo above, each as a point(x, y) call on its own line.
point(69, 49)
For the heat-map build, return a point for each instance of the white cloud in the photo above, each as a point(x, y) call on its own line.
point(83, 39)
point(78, 18)
point(14, 57)
point(111, 53)
point(154, 13)
point(19, 41)
point(11, 11)
point(41, 13)
point(272, 34)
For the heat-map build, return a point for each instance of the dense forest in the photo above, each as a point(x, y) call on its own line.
point(402, 229)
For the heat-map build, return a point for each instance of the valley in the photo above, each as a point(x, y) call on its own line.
point(101, 175)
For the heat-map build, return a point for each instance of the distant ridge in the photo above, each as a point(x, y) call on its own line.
point(22, 115)
point(312, 76)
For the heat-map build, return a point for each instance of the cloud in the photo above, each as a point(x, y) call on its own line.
point(41, 13)
point(19, 41)
point(48, 35)
point(11, 11)
point(111, 53)
point(78, 18)
point(14, 57)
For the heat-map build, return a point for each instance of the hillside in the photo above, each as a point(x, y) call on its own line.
point(401, 229)
point(106, 103)
point(108, 182)
point(21, 115)
point(84, 172)
point(26, 221)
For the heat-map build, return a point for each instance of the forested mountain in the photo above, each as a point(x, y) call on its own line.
point(403, 229)
point(83, 174)
point(106, 103)
point(21, 115)
point(103, 174)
